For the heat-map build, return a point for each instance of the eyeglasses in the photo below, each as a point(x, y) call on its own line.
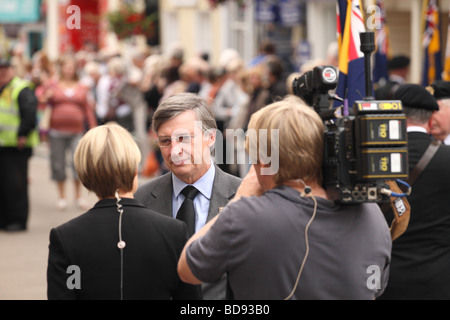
point(167, 141)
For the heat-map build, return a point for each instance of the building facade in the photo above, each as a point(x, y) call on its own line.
point(301, 29)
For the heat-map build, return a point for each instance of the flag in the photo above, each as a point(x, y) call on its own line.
point(431, 43)
point(446, 74)
point(350, 23)
point(382, 53)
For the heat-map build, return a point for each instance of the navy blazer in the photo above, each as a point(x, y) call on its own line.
point(153, 246)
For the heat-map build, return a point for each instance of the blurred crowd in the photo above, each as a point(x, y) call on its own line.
point(128, 89)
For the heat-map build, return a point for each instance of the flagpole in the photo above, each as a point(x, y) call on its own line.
point(416, 41)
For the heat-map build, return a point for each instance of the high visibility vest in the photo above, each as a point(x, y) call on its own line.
point(10, 115)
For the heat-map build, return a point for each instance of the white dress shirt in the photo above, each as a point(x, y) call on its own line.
point(201, 202)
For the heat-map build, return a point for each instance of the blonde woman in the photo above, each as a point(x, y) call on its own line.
point(119, 249)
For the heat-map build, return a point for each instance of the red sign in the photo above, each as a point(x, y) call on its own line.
point(80, 23)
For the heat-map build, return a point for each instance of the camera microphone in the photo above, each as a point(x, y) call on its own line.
point(308, 190)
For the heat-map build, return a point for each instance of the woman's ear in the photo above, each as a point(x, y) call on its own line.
point(135, 182)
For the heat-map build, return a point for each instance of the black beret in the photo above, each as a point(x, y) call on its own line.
point(398, 62)
point(417, 97)
point(441, 89)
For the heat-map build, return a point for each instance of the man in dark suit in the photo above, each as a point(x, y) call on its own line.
point(186, 130)
point(421, 256)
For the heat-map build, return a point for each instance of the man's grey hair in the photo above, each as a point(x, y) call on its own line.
point(419, 116)
point(179, 103)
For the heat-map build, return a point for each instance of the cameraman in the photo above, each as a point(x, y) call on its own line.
point(283, 229)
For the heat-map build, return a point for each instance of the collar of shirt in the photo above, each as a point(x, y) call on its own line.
point(396, 78)
point(201, 202)
point(204, 184)
point(416, 129)
point(447, 141)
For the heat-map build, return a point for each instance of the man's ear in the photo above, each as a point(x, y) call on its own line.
point(430, 123)
point(210, 137)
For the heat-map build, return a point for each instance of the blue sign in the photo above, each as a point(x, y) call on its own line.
point(267, 11)
point(287, 13)
point(290, 12)
point(19, 11)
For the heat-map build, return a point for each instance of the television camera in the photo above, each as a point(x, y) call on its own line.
point(364, 147)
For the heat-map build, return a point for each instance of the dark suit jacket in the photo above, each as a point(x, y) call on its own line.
point(157, 195)
point(421, 256)
point(153, 246)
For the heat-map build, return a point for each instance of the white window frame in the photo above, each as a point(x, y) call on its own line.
point(232, 29)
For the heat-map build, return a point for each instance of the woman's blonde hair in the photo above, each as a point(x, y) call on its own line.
point(299, 146)
point(107, 159)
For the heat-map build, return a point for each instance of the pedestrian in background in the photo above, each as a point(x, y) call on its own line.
point(18, 106)
point(72, 111)
point(122, 249)
point(110, 104)
point(398, 69)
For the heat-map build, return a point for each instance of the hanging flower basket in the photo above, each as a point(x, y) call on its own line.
point(127, 22)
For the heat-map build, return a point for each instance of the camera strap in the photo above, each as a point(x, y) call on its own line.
point(400, 206)
point(424, 161)
point(401, 210)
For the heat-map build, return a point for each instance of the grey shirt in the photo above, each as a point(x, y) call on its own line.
point(260, 243)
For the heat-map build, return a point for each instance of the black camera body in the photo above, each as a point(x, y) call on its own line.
point(363, 147)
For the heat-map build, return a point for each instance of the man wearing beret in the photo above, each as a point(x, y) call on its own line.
point(398, 69)
point(440, 122)
point(421, 256)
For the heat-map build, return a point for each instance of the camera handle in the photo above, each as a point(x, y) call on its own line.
point(367, 47)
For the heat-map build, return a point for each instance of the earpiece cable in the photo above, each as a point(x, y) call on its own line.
point(308, 193)
point(121, 244)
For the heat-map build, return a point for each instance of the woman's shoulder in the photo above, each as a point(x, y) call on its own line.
point(154, 218)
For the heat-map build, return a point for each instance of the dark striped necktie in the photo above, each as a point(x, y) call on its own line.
point(186, 213)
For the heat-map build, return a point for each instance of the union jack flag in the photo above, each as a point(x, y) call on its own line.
point(350, 23)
